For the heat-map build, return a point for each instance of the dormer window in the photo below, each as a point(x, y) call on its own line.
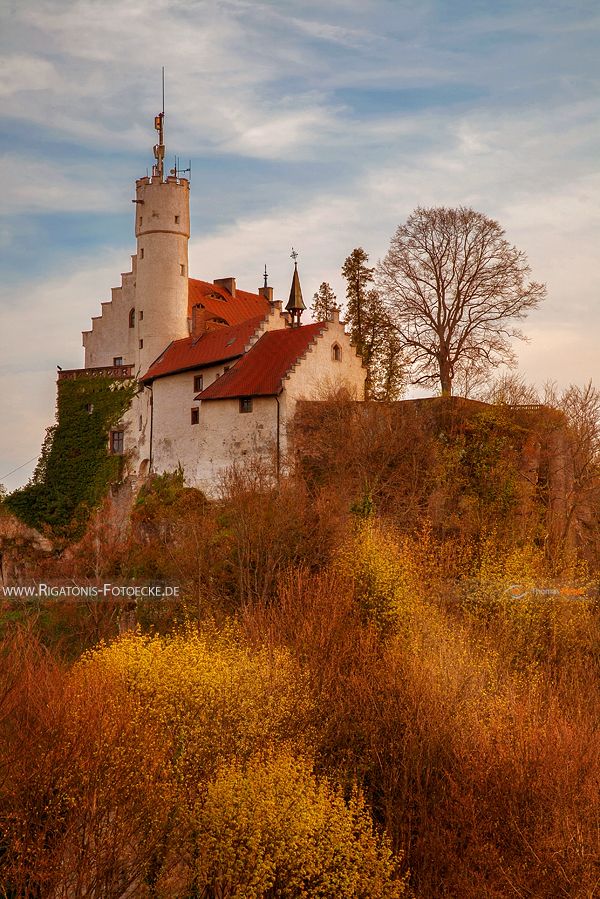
point(336, 352)
point(132, 318)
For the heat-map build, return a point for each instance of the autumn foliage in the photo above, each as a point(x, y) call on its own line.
point(380, 680)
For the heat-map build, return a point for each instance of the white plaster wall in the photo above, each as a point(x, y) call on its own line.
point(228, 437)
point(110, 335)
point(175, 441)
point(317, 372)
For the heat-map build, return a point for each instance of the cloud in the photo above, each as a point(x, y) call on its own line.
point(20, 73)
point(43, 187)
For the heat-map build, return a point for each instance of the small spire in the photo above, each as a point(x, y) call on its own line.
point(266, 277)
point(296, 305)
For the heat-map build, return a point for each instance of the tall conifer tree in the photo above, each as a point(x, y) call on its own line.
point(324, 303)
point(371, 330)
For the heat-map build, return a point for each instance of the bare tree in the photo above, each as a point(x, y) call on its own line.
point(455, 287)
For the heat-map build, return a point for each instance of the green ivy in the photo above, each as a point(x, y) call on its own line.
point(75, 468)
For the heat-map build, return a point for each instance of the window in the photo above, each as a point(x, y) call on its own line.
point(132, 318)
point(176, 219)
point(117, 360)
point(182, 268)
point(141, 344)
point(198, 383)
point(141, 316)
point(336, 352)
point(141, 424)
point(117, 439)
point(141, 252)
point(246, 404)
point(89, 408)
point(195, 415)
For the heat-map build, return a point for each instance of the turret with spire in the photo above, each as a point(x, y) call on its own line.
point(162, 228)
point(295, 305)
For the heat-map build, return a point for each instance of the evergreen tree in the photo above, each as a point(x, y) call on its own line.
point(324, 303)
point(358, 276)
point(371, 329)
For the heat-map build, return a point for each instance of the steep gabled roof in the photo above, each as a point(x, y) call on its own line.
point(219, 302)
point(208, 349)
point(262, 370)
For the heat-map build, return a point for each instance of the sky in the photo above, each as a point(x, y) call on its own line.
point(317, 125)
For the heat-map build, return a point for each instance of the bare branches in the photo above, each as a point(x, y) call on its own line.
point(454, 288)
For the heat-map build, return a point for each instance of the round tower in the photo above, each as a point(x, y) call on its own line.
point(162, 229)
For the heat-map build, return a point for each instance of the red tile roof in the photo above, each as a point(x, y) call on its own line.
point(221, 303)
point(261, 371)
point(211, 347)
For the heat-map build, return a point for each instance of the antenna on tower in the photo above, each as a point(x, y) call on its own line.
point(159, 148)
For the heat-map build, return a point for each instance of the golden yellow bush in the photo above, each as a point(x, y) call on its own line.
point(212, 698)
point(270, 828)
point(387, 586)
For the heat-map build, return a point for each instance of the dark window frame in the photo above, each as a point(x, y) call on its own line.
point(195, 415)
point(117, 443)
point(245, 404)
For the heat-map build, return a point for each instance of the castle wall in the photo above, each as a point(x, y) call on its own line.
point(230, 437)
point(175, 440)
point(110, 335)
point(318, 373)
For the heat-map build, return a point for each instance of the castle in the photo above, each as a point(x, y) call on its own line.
point(219, 370)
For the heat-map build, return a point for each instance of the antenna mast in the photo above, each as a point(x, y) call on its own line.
point(158, 169)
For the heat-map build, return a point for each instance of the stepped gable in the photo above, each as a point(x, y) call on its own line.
point(209, 348)
point(262, 370)
point(220, 303)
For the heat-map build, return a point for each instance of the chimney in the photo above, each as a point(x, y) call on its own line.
point(267, 293)
point(227, 283)
point(199, 317)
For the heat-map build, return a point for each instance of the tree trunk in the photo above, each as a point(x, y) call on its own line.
point(445, 378)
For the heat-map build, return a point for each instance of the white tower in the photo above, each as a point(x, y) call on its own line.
point(162, 229)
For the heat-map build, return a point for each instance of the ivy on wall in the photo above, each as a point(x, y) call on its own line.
point(75, 468)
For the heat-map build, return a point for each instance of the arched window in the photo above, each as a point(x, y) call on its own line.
point(132, 318)
point(336, 352)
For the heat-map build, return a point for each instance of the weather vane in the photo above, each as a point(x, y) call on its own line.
point(294, 256)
